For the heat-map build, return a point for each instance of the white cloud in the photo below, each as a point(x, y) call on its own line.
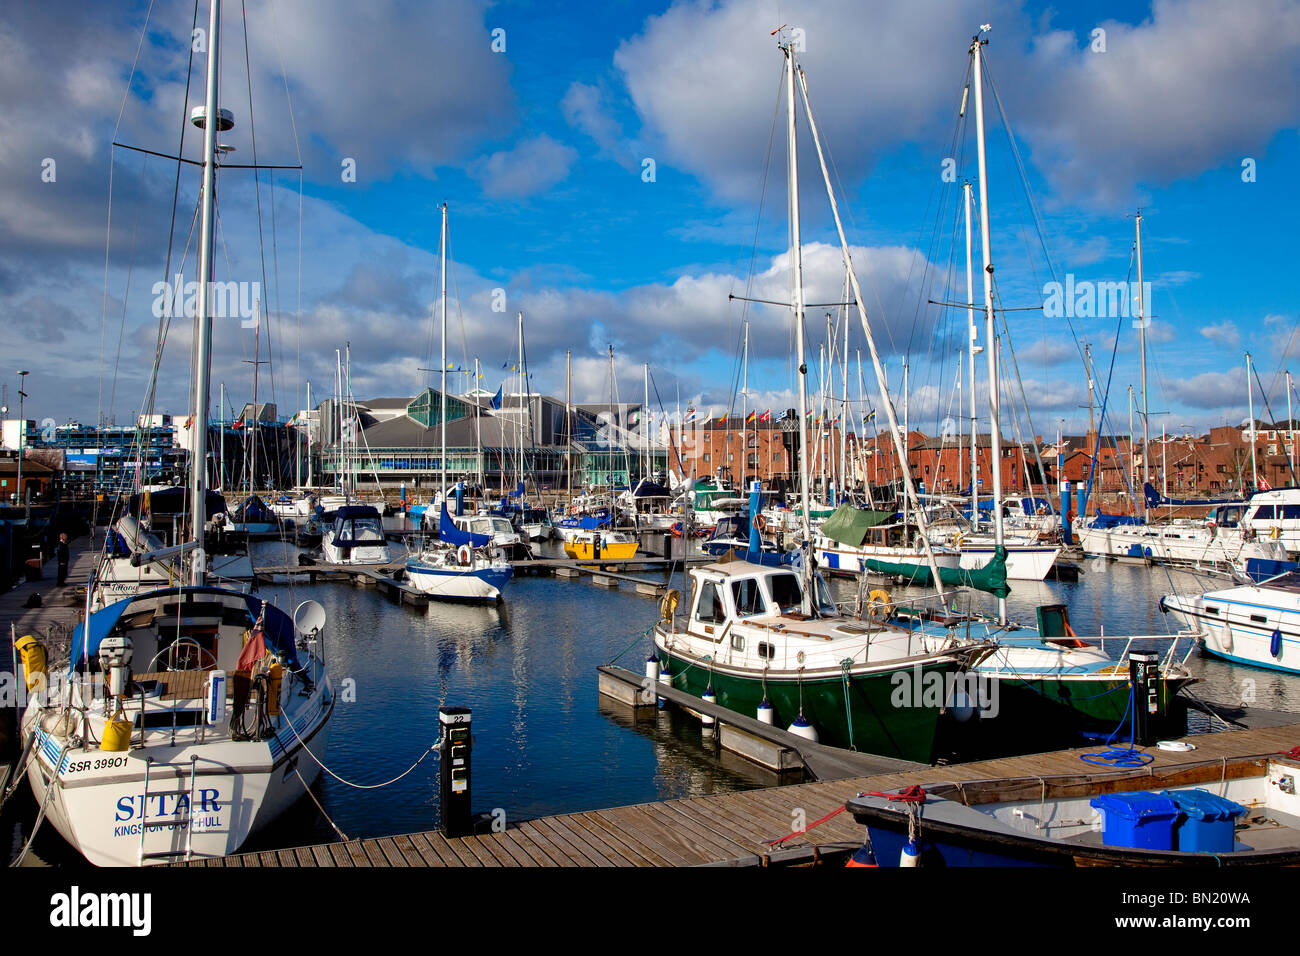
point(532, 166)
point(1224, 333)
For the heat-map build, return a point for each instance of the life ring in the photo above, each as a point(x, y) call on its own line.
point(1275, 533)
point(760, 523)
point(878, 605)
point(668, 605)
point(464, 554)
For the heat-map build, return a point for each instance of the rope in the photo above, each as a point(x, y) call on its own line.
point(361, 786)
point(796, 833)
point(639, 638)
point(40, 817)
point(1122, 756)
point(342, 836)
point(848, 705)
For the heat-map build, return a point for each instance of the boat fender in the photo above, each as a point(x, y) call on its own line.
point(1275, 643)
point(275, 678)
point(766, 715)
point(117, 733)
point(464, 555)
point(802, 728)
point(1275, 533)
point(668, 605)
point(958, 540)
point(33, 656)
point(665, 677)
point(709, 698)
point(911, 855)
point(863, 857)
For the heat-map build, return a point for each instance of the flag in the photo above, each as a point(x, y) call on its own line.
point(722, 419)
point(690, 415)
point(871, 417)
point(188, 422)
point(255, 648)
point(1264, 485)
point(451, 366)
point(753, 417)
point(766, 416)
point(496, 399)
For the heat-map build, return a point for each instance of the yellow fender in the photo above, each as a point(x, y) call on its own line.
point(668, 604)
point(33, 657)
point(878, 605)
point(958, 540)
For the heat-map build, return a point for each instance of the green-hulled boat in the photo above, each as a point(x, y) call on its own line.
point(754, 634)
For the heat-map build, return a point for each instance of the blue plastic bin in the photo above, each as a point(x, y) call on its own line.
point(1205, 822)
point(1141, 820)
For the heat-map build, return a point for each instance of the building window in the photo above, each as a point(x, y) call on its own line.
point(706, 456)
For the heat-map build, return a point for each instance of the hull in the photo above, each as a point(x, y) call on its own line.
point(848, 561)
point(878, 724)
point(239, 788)
point(1183, 546)
point(583, 551)
point(1244, 625)
point(1023, 563)
point(463, 585)
point(365, 554)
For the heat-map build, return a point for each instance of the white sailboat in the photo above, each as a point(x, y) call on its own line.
point(203, 745)
point(460, 565)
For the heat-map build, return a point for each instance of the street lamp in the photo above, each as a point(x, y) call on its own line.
point(22, 431)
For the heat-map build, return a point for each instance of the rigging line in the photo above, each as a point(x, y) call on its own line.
point(1271, 417)
point(762, 202)
point(955, 141)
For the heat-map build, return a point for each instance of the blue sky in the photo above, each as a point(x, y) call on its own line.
point(539, 151)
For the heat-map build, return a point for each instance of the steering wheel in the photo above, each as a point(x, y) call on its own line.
point(174, 647)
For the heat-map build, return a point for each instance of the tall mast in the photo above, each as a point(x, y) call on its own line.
point(523, 393)
point(478, 433)
point(908, 486)
point(907, 438)
point(744, 410)
point(442, 396)
point(995, 399)
point(1250, 392)
point(1142, 336)
point(844, 409)
point(308, 434)
point(221, 444)
point(210, 120)
point(568, 428)
point(338, 393)
point(973, 336)
point(645, 424)
point(796, 264)
point(1290, 426)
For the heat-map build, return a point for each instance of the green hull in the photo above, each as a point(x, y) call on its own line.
point(874, 720)
point(1089, 705)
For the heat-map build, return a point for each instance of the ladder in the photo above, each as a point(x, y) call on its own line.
point(146, 824)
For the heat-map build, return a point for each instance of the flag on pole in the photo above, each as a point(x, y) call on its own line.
point(689, 416)
point(753, 417)
point(766, 416)
point(496, 399)
point(722, 419)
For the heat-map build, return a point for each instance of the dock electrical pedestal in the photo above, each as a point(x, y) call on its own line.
point(454, 790)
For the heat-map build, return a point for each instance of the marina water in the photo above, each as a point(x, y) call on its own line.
point(545, 742)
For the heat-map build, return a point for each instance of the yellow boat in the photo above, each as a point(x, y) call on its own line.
point(613, 547)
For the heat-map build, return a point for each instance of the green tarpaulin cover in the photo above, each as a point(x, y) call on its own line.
point(849, 525)
point(991, 578)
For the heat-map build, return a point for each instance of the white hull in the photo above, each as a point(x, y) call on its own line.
point(836, 558)
point(1239, 623)
point(1193, 545)
point(362, 554)
point(98, 799)
point(1024, 562)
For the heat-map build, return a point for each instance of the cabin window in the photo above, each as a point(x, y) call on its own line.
point(1259, 618)
point(1212, 610)
point(738, 642)
point(766, 650)
point(1291, 512)
point(748, 598)
point(1265, 513)
point(710, 610)
point(786, 593)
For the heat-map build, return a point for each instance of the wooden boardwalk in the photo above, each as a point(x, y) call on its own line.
point(62, 608)
point(726, 829)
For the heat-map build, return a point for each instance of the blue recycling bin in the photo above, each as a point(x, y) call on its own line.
point(1141, 820)
point(1206, 822)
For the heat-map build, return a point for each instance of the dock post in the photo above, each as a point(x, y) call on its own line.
point(454, 778)
point(1144, 677)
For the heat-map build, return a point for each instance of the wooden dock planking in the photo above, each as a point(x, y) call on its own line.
point(733, 828)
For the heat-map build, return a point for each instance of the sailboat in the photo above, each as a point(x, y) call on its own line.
point(217, 729)
point(768, 639)
point(460, 565)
